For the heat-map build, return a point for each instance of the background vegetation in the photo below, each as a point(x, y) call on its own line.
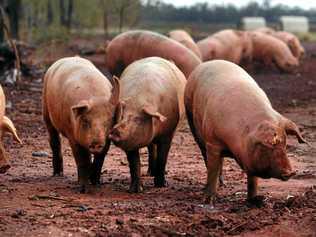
point(41, 20)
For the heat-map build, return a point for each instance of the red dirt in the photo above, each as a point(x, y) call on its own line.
point(33, 203)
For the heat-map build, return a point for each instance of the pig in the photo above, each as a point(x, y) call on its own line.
point(79, 102)
point(184, 38)
point(232, 45)
point(137, 44)
point(6, 125)
point(271, 50)
point(230, 116)
point(151, 104)
point(266, 30)
point(292, 42)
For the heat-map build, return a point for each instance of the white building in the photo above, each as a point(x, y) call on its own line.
point(252, 23)
point(294, 24)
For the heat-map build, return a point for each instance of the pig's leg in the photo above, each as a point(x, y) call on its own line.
point(225, 153)
point(134, 166)
point(252, 187)
point(163, 147)
point(4, 163)
point(54, 141)
point(196, 138)
point(221, 177)
point(214, 164)
point(83, 161)
point(97, 165)
point(152, 159)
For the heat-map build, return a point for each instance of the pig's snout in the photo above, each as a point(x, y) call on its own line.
point(114, 135)
point(286, 176)
point(95, 147)
point(4, 168)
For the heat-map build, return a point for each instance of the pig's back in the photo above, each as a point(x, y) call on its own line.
point(222, 96)
point(184, 38)
point(138, 44)
point(75, 79)
point(154, 79)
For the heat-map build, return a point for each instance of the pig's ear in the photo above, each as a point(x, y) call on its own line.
point(267, 135)
point(115, 90)
point(119, 111)
point(8, 126)
point(81, 108)
point(291, 129)
point(151, 111)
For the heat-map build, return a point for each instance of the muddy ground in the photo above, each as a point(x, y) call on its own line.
point(33, 203)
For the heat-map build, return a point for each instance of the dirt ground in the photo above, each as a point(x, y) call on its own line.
point(33, 203)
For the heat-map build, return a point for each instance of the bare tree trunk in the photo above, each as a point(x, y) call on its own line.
point(13, 14)
point(13, 45)
point(50, 14)
point(1, 24)
point(1, 28)
point(69, 14)
point(62, 12)
point(121, 19)
point(105, 18)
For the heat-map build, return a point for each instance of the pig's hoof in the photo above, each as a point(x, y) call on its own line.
point(221, 182)
point(4, 169)
point(150, 173)
point(58, 174)
point(257, 201)
point(160, 182)
point(136, 188)
point(210, 201)
point(82, 189)
point(95, 180)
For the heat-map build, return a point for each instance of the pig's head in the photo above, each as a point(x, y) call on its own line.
point(135, 126)
point(7, 126)
point(266, 146)
point(296, 48)
point(247, 47)
point(286, 61)
point(93, 119)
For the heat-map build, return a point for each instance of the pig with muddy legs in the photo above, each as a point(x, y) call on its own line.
point(79, 102)
point(151, 104)
point(6, 125)
point(229, 114)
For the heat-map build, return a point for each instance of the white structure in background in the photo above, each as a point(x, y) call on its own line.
point(252, 23)
point(294, 24)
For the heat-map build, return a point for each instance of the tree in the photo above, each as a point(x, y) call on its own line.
point(13, 10)
point(105, 9)
point(66, 13)
point(50, 14)
point(1, 25)
point(127, 10)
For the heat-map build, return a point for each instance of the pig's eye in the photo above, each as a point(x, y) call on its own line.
point(85, 123)
point(138, 120)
